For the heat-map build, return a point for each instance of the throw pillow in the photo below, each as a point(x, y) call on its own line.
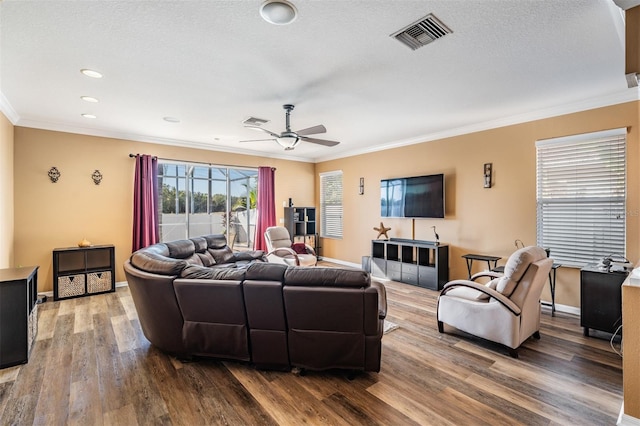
point(299, 248)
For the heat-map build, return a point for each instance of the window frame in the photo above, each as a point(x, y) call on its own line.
point(331, 222)
point(581, 196)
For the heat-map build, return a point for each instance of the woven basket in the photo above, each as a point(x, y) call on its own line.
point(70, 285)
point(99, 281)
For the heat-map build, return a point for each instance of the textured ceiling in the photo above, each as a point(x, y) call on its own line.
point(212, 64)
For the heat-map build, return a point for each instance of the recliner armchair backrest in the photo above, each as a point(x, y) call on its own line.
point(277, 237)
point(517, 267)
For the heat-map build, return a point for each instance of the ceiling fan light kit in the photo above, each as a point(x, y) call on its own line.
point(287, 142)
point(289, 139)
point(278, 12)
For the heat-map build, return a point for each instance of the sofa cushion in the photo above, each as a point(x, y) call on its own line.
point(194, 259)
point(201, 272)
point(216, 241)
point(206, 258)
point(156, 263)
point(330, 277)
point(266, 271)
point(249, 255)
point(181, 249)
point(222, 255)
point(200, 244)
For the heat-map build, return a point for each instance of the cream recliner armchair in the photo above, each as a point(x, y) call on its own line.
point(280, 249)
point(505, 310)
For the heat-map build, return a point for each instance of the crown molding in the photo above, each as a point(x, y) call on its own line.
point(150, 139)
point(7, 109)
point(627, 95)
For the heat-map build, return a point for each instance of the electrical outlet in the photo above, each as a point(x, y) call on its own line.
point(281, 220)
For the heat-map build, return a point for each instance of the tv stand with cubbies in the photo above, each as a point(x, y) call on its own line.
point(421, 263)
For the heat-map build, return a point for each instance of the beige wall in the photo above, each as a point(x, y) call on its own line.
point(478, 220)
point(51, 215)
point(6, 192)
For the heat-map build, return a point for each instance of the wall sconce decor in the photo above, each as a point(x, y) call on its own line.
point(488, 169)
point(96, 176)
point(361, 186)
point(54, 174)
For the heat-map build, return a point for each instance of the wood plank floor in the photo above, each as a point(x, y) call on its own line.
point(91, 365)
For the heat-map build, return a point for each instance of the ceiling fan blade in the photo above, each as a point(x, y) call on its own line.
point(275, 135)
point(258, 140)
point(312, 130)
point(319, 141)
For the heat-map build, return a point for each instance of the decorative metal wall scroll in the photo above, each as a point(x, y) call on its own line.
point(54, 174)
point(97, 177)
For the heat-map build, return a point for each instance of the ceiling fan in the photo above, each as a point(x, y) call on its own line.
point(289, 139)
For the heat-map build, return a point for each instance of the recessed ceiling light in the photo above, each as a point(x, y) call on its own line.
point(89, 99)
point(91, 73)
point(89, 116)
point(171, 119)
point(278, 12)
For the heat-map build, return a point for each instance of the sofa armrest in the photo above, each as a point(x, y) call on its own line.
point(505, 301)
point(382, 299)
point(310, 249)
point(284, 252)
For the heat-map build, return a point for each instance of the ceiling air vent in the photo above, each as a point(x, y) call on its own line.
point(254, 121)
point(422, 32)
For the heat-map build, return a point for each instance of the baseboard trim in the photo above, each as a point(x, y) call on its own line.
point(563, 308)
point(627, 420)
point(342, 262)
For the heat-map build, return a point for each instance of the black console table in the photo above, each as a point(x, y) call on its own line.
point(600, 299)
point(483, 258)
point(18, 314)
point(421, 263)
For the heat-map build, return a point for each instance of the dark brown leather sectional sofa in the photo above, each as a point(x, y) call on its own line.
point(191, 300)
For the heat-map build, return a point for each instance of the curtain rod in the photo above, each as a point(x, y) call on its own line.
point(194, 162)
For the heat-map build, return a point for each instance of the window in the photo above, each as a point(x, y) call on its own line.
point(581, 196)
point(199, 199)
point(331, 204)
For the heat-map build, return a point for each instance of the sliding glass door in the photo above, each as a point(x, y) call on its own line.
point(200, 199)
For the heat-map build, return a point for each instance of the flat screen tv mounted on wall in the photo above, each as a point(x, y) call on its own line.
point(418, 196)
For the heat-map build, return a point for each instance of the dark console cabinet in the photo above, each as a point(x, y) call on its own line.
point(301, 224)
point(600, 299)
point(18, 314)
point(81, 271)
point(416, 262)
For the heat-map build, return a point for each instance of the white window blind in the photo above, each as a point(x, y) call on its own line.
point(331, 204)
point(581, 196)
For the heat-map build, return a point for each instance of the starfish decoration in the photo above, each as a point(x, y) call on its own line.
point(382, 230)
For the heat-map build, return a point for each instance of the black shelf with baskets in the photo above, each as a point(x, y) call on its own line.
point(82, 271)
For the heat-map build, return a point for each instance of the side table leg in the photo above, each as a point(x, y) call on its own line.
point(553, 295)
